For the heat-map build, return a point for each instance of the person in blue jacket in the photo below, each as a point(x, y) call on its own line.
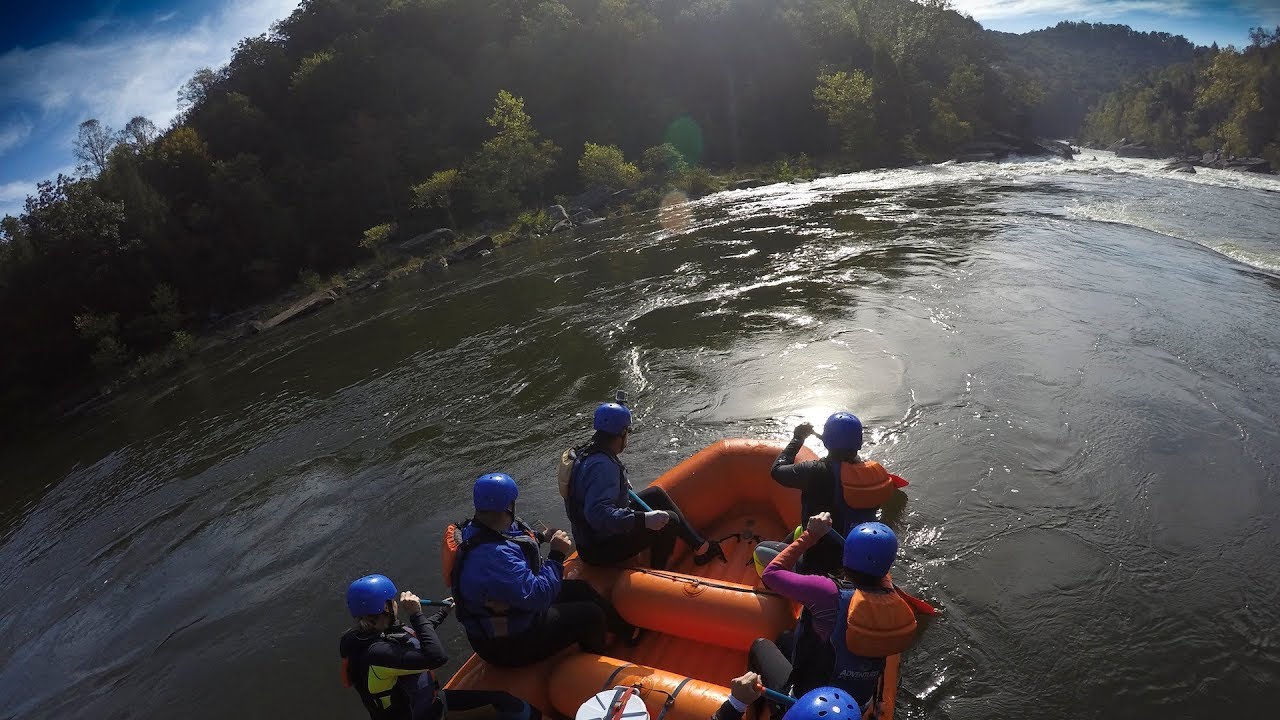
point(516, 607)
point(607, 526)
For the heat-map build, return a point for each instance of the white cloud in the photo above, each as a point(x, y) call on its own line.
point(14, 134)
point(1071, 9)
point(15, 191)
point(138, 72)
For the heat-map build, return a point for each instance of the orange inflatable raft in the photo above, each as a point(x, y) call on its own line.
point(700, 620)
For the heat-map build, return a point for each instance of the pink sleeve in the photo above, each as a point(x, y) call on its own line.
point(813, 591)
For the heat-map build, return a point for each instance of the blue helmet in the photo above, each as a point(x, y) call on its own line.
point(870, 548)
point(369, 595)
point(612, 418)
point(824, 703)
point(494, 492)
point(843, 431)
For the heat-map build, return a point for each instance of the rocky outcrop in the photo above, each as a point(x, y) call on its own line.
point(1060, 148)
point(433, 240)
point(999, 146)
point(593, 199)
point(746, 184)
point(472, 251)
point(563, 225)
point(556, 214)
point(1218, 161)
point(306, 305)
point(1133, 149)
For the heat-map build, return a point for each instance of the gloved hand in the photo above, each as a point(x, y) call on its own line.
point(819, 524)
point(746, 689)
point(656, 519)
point(803, 430)
point(561, 543)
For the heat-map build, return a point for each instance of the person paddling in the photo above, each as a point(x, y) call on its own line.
point(842, 484)
point(607, 525)
point(390, 665)
point(516, 607)
point(854, 620)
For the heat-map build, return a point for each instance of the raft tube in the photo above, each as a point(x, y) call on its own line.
point(700, 619)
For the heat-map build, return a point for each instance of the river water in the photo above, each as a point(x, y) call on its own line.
point(1076, 364)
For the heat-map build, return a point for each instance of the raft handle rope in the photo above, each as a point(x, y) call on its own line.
point(608, 683)
point(693, 580)
point(641, 689)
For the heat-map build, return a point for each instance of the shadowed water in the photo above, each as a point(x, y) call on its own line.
point(1071, 363)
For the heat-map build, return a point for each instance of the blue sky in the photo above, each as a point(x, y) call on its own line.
point(1225, 22)
point(63, 61)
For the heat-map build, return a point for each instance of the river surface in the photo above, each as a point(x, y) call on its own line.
point(1076, 364)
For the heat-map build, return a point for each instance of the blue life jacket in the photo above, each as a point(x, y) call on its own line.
point(491, 619)
point(859, 676)
point(584, 535)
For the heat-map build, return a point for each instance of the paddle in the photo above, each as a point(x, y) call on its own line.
point(898, 481)
point(916, 603)
point(776, 696)
point(434, 603)
point(636, 499)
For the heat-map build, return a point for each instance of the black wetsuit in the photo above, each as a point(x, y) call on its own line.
point(391, 671)
point(818, 485)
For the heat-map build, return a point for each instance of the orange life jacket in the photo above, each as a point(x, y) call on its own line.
point(878, 622)
point(865, 484)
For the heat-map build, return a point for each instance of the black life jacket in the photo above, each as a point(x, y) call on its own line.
point(400, 698)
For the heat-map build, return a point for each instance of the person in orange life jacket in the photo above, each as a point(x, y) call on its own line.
point(607, 527)
point(390, 666)
point(841, 484)
point(855, 619)
point(516, 607)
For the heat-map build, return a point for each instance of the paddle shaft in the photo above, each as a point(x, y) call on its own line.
point(778, 697)
point(636, 499)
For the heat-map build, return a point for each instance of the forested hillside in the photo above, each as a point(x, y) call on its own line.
point(1225, 101)
point(1074, 64)
point(353, 119)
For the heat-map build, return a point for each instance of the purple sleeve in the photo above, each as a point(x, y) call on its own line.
point(816, 592)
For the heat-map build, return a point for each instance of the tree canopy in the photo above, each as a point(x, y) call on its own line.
point(1225, 100)
point(355, 115)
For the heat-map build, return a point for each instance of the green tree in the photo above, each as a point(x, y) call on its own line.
point(846, 99)
point(662, 163)
point(606, 166)
point(377, 236)
point(508, 163)
point(437, 191)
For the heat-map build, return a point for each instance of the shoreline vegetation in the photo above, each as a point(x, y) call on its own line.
point(349, 145)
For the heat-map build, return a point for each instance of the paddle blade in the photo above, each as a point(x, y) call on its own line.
point(916, 603)
point(898, 481)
